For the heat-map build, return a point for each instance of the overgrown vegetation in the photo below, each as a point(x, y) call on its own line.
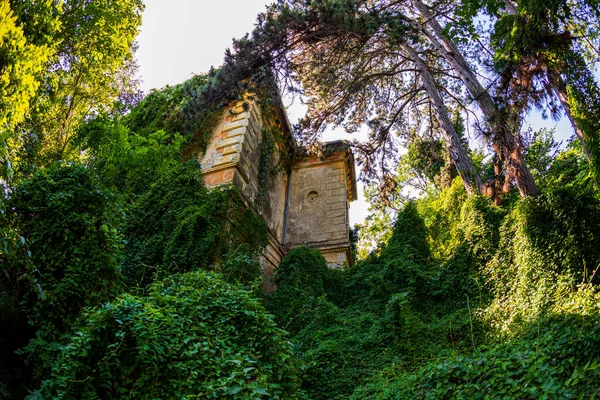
point(77, 246)
point(192, 336)
point(99, 238)
point(123, 276)
point(464, 300)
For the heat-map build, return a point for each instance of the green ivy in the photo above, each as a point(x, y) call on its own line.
point(192, 336)
point(179, 225)
point(300, 280)
point(464, 300)
point(69, 222)
point(557, 358)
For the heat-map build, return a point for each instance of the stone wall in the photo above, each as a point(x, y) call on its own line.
point(320, 187)
point(318, 209)
point(233, 157)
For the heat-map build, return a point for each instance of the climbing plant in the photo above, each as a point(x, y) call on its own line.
point(68, 223)
point(192, 336)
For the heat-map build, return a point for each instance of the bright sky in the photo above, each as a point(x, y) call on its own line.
point(180, 38)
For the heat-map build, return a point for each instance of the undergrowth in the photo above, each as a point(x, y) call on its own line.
point(465, 300)
point(125, 277)
point(130, 234)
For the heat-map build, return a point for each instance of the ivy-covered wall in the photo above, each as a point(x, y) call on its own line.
point(248, 150)
point(303, 199)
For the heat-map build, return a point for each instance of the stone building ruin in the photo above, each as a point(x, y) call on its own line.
point(304, 199)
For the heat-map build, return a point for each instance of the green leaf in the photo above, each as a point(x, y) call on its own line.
point(234, 389)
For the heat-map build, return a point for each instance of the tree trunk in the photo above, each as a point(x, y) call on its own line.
point(504, 143)
point(458, 154)
point(560, 90)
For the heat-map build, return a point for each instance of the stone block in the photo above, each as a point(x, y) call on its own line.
point(254, 126)
point(336, 199)
point(231, 149)
point(220, 177)
point(232, 158)
point(256, 114)
point(336, 213)
point(238, 108)
point(340, 235)
point(244, 164)
point(234, 125)
point(248, 149)
point(337, 206)
point(330, 257)
point(230, 142)
point(333, 185)
point(236, 132)
point(240, 116)
point(337, 192)
point(335, 224)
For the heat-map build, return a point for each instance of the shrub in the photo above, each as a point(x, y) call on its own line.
point(59, 254)
point(192, 336)
point(299, 279)
point(69, 222)
point(558, 357)
point(547, 246)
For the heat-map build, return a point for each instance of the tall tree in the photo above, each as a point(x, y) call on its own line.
point(90, 70)
point(357, 66)
point(23, 53)
point(542, 53)
point(458, 155)
point(501, 135)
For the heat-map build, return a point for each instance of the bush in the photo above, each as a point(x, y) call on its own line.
point(558, 357)
point(547, 246)
point(397, 268)
point(192, 336)
point(69, 221)
point(347, 324)
point(466, 300)
point(300, 289)
point(340, 348)
point(59, 254)
point(534, 325)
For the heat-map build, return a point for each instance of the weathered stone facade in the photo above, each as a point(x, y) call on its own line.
point(304, 200)
point(321, 189)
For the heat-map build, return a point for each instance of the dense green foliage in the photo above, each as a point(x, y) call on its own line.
point(67, 221)
point(20, 63)
point(170, 110)
point(464, 300)
point(78, 238)
point(557, 359)
point(192, 336)
point(394, 307)
point(179, 226)
point(88, 69)
point(302, 279)
point(123, 276)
